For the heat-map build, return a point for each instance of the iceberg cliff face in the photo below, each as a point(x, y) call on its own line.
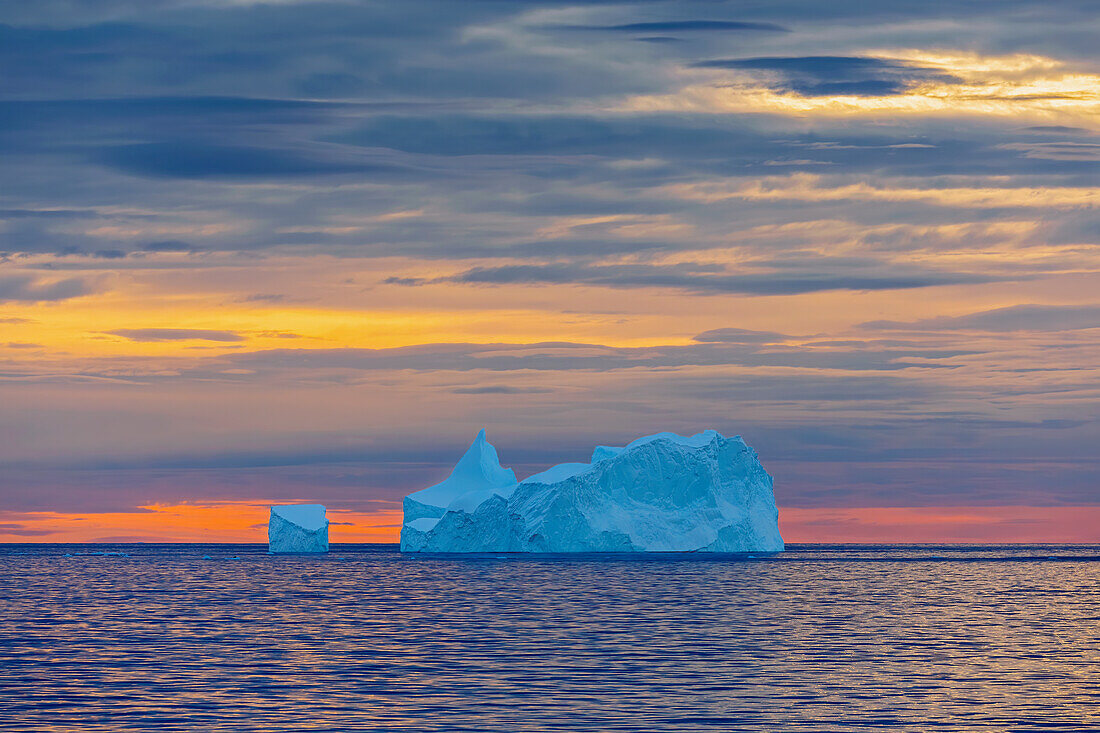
point(660, 493)
point(297, 528)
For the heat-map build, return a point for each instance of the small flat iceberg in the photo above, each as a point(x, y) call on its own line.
point(297, 528)
point(660, 493)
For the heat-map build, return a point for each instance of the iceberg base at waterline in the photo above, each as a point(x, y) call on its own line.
point(297, 528)
point(660, 493)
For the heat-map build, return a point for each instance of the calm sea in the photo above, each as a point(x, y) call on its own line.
point(819, 638)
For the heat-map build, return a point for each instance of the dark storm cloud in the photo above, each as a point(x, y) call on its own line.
point(1012, 318)
point(31, 289)
point(175, 334)
point(833, 75)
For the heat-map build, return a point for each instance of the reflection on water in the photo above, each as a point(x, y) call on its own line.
point(820, 638)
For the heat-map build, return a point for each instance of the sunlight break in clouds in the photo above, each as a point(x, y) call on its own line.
point(1020, 85)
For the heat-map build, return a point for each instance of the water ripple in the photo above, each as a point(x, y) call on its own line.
point(820, 638)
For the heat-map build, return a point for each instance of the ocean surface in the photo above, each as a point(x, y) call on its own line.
point(819, 638)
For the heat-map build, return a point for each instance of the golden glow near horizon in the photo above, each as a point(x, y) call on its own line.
point(67, 329)
point(220, 521)
point(243, 521)
point(123, 320)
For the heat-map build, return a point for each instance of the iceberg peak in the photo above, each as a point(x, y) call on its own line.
point(477, 472)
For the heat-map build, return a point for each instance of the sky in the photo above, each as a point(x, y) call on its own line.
point(277, 252)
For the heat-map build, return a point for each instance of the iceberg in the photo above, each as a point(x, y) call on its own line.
point(660, 493)
point(477, 472)
point(297, 528)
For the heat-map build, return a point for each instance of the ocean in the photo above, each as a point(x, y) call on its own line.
point(818, 638)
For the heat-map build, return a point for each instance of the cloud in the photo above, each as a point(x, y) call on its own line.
point(675, 26)
point(278, 334)
point(1069, 151)
point(167, 246)
point(20, 530)
point(834, 75)
point(1059, 129)
point(919, 83)
point(33, 289)
point(816, 387)
point(406, 281)
point(185, 159)
point(109, 254)
point(816, 188)
point(336, 364)
point(499, 389)
point(559, 134)
point(263, 298)
point(1013, 318)
point(175, 334)
point(697, 280)
point(740, 336)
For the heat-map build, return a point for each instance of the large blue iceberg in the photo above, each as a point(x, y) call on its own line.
point(660, 493)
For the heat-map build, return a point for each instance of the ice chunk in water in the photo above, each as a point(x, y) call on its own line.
point(297, 528)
